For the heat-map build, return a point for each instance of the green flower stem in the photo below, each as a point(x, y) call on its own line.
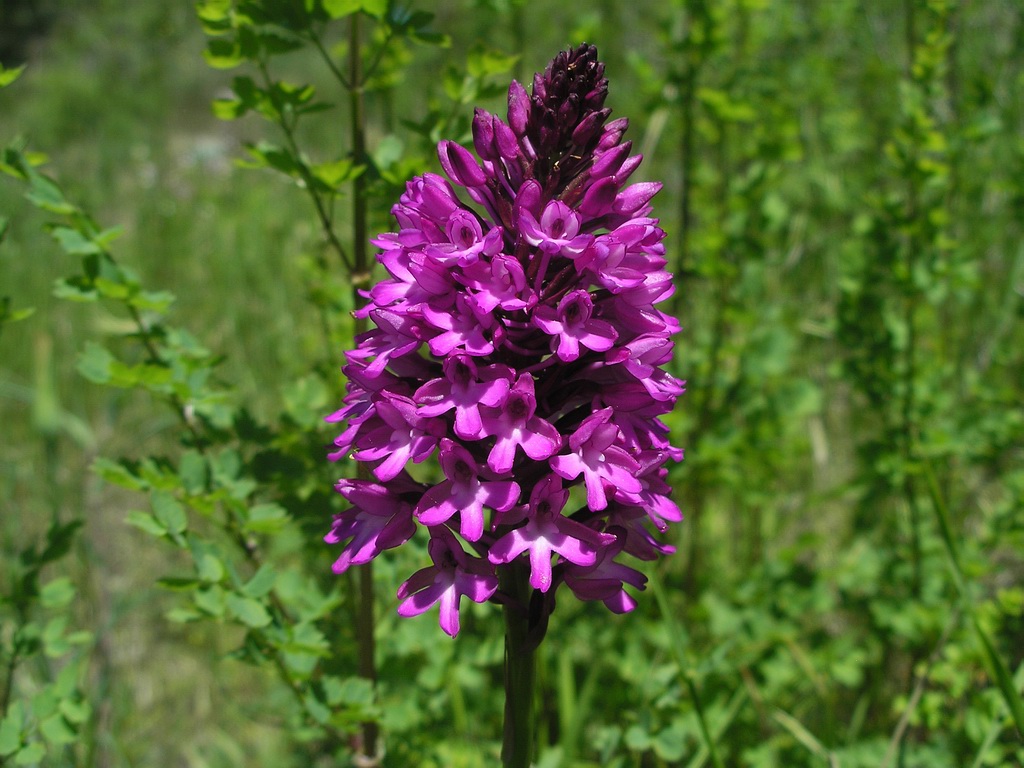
point(520, 669)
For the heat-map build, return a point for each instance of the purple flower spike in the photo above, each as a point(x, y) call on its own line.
point(517, 337)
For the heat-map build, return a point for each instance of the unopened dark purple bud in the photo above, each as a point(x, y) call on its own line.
point(607, 163)
point(529, 197)
point(539, 89)
point(589, 127)
point(634, 198)
point(569, 110)
point(483, 134)
point(599, 198)
point(518, 108)
point(612, 133)
point(460, 165)
point(627, 168)
point(505, 141)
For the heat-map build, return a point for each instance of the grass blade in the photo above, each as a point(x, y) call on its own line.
point(685, 671)
point(996, 665)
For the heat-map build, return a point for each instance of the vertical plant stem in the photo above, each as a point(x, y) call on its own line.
point(11, 668)
point(360, 279)
point(914, 243)
point(520, 669)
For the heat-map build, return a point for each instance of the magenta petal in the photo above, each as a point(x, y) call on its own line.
point(472, 522)
point(540, 566)
point(502, 455)
point(542, 440)
point(597, 499)
point(508, 547)
point(501, 496)
point(477, 588)
point(436, 507)
point(424, 599)
point(567, 466)
point(449, 611)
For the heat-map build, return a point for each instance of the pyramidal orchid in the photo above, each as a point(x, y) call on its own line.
point(518, 340)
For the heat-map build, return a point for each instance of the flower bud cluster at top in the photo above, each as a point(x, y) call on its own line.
point(519, 341)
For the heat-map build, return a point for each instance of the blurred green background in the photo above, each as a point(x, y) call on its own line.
point(844, 202)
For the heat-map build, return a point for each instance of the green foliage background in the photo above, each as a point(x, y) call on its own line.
point(844, 196)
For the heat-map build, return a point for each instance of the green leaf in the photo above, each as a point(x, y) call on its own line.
point(82, 637)
point(31, 754)
point(112, 289)
point(338, 9)
point(210, 600)
point(261, 583)
point(213, 10)
point(116, 473)
point(4, 224)
point(75, 710)
point(266, 518)
point(45, 701)
point(178, 584)
point(389, 151)
point(352, 692)
point(229, 109)
point(94, 363)
point(267, 155)
point(57, 593)
point(76, 288)
point(73, 242)
point(335, 174)
point(107, 236)
point(10, 729)
point(145, 375)
point(484, 62)
point(208, 566)
point(58, 541)
point(670, 743)
point(20, 314)
point(316, 708)
point(413, 24)
point(375, 8)
point(223, 54)
point(145, 522)
point(44, 193)
point(192, 471)
point(182, 615)
point(8, 76)
point(169, 511)
point(56, 730)
point(248, 610)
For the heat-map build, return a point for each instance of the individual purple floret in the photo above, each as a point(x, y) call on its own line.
point(517, 339)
